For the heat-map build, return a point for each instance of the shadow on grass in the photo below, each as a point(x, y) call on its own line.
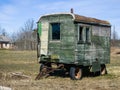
point(59, 73)
point(65, 74)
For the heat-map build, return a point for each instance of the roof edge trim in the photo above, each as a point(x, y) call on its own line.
point(72, 14)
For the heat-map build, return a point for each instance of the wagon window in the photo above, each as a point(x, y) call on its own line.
point(87, 34)
point(80, 33)
point(55, 31)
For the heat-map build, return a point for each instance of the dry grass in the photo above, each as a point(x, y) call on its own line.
point(25, 62)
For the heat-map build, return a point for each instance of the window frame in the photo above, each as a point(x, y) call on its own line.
point(82, 38)
point(51, 32)
point(85, 38)
point(88, 35)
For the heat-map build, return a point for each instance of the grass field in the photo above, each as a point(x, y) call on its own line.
point(25, 63)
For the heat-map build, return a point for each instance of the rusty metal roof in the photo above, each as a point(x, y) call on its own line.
point(90, 20)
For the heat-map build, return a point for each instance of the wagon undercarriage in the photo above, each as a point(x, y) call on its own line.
point(75, 72)
point(46, 69)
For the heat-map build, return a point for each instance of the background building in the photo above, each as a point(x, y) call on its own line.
point(5, 42)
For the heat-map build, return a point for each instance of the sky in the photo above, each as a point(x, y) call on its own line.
point(14, 13)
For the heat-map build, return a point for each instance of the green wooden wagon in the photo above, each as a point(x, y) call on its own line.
point(73, 42)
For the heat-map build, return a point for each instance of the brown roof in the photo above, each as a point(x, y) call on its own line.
point(90, 20)
point(4, 39)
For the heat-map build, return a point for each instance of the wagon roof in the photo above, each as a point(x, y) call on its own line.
point(90, 20)
point(84, 19)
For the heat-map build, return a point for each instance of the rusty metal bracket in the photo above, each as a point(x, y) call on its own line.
point(46, 71)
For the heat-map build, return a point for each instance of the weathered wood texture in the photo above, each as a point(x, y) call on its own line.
point(68, 49)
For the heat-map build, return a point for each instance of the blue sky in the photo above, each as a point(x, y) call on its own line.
point(14, 13)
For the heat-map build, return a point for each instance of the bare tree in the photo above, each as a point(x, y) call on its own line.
point(3, 31)
point(28, 26)
point(26, 39)
point(14, 37)
point(115, 39)
point(114, 34)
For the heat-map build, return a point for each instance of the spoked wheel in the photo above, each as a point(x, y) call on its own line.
point(43, 69)
point(103, 69)
point(76, 73)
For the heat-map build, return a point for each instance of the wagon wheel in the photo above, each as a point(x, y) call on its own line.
point(42, 72)
point(76, 73)
point(43, 69)
point(103, 69)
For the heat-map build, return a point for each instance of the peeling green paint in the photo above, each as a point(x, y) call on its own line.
point(69, 50)
point(39, 29)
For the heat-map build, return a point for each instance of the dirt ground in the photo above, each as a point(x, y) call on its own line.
point(25, 64)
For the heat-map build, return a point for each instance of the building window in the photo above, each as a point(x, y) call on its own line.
point(6, 44)
point(80, 33)
point(55, 31)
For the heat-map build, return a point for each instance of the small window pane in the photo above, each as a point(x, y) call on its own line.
point(87, 34)
point(55, 31)
point(80, 33)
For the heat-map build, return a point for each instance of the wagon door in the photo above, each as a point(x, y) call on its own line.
point(43, 38)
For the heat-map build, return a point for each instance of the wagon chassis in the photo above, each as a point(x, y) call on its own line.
point(45, 70)
point(75, 71)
